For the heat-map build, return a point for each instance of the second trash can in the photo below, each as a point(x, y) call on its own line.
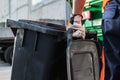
point(39, 51)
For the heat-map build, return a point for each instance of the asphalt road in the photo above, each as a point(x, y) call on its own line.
point(5, 71)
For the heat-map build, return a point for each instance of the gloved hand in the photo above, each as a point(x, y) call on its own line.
point(78, 31)
point(78, 28)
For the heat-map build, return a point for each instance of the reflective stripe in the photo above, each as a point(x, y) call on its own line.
point(102, 75)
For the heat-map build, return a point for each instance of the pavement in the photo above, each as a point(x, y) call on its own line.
point(5, 70)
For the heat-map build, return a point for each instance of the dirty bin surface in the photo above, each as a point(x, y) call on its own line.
point(39, 52)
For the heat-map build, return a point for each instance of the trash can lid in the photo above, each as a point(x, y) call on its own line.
point(49, 29)
point(49, 25)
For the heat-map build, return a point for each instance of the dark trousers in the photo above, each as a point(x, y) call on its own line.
point(111, 34)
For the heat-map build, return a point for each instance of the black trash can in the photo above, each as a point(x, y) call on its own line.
point(39, 51)
point(82, 58)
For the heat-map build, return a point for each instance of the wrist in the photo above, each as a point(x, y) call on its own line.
point(73, 15)
point(76, 18)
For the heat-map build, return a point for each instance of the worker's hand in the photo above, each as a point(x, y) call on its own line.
point(78, 31)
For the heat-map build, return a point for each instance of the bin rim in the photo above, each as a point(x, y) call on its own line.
point(40, 23)
point(42, 28)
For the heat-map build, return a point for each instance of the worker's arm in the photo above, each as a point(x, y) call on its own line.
point(76, 19)
point(78, 6)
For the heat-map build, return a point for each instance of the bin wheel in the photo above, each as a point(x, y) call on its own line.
point(8, 54)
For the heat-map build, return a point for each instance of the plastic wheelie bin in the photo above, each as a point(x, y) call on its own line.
point(39, 51)
point(82, 58)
